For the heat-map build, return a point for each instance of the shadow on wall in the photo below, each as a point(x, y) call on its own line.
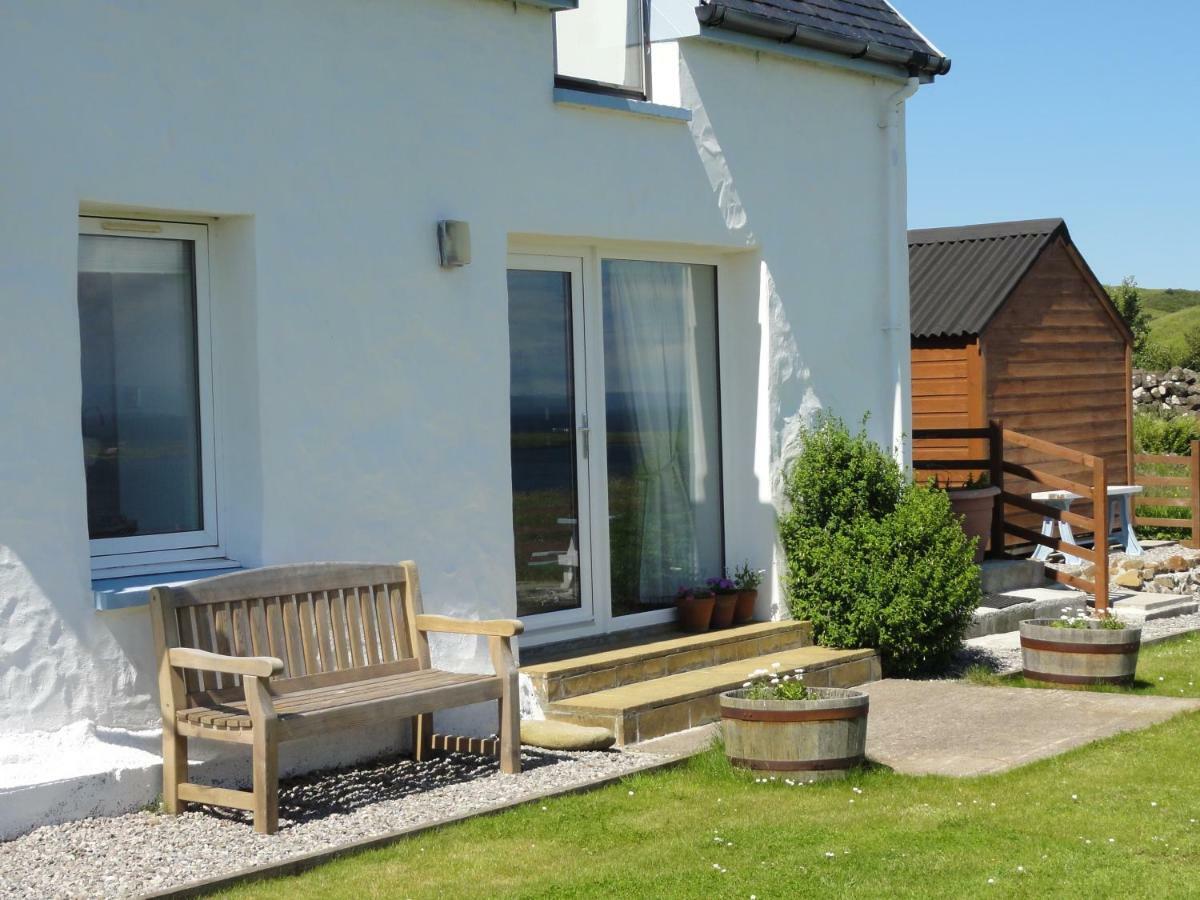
point(822, 309)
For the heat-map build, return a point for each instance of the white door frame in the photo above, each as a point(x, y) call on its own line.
point(590, 395)
point(584, 616)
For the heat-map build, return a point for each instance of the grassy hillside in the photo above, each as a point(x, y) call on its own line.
point(1169, 328)
point(1159, 302)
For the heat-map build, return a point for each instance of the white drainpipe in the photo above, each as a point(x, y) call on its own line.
point(896, 327)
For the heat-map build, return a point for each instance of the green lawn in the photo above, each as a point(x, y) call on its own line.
point(1115, 819)
point(1169, 329)
point(1169, 669)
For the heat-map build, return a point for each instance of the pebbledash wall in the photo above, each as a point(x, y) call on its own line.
point(361, 391)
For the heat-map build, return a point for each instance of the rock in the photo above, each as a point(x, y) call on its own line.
point(1176, 563)
point(1130, 565)
point(1149, 571)
point(1139, 393)
point(1189, 376)
point(1175, 373)
point(1165, 582)
point(1129, 579)
point(563, 736)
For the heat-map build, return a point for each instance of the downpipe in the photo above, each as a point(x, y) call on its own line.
point(896, 328)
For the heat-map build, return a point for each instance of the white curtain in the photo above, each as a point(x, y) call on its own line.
point(653, 352)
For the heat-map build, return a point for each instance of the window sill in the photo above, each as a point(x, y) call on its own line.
point(612, 103)
point(134, 590)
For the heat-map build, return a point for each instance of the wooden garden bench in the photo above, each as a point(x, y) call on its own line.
point(285, 652)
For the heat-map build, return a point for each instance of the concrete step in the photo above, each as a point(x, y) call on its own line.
point(559, 680)
point(649, 709)
point(1137, 607)
point(1001, 575)
point(1005, 611)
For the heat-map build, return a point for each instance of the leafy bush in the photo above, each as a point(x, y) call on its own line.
point(1156, 433)
point(873, 560)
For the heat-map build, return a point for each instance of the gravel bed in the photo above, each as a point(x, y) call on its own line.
point(144, 852)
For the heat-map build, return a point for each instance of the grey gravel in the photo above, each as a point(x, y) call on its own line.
point(144, 852)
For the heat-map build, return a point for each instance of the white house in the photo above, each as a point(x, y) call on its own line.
point(230, 338)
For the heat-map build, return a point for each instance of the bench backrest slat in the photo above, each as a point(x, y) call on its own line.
point(321, 619)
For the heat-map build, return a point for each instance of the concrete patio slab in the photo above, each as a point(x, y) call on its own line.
point(956, 729)
point(961, 730)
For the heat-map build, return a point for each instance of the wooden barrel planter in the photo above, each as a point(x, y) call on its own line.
point(821, 738)
point(1091, 655)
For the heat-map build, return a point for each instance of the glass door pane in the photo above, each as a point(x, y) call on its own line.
point(663, 430)
point(549, 521)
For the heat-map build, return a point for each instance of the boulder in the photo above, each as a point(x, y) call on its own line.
point(1165, 582)
point(1130, 579)
point(1176, 563)
point(564, 736)
point(1130, 565)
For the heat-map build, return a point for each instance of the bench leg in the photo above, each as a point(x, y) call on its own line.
point(175, 770)
point(510, 726)
point(422, 737)
point(266, 781)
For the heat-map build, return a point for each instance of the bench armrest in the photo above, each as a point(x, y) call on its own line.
point(451, 625)
point(258, 666)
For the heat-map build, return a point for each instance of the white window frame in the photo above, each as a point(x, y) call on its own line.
point(156, 552)
point(604, 87)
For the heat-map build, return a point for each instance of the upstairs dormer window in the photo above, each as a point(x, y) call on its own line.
point(604, 46)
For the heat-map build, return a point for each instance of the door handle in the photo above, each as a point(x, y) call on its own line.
point(585, 433)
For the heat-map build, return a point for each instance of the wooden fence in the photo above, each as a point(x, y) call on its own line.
point(1165, 491)
point(998, 467)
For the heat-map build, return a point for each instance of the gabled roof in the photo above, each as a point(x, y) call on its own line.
point(960, 277)
point(858, 28)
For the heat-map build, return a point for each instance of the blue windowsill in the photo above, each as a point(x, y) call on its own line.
point(611, 103)
point(134, 590)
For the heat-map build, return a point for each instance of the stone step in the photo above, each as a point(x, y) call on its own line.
point(649, 709)
point(1000, 575)
point(552, 681)
point(1005, 611)
point(1137, 607)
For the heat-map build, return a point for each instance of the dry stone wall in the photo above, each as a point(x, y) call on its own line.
point(1176, 390)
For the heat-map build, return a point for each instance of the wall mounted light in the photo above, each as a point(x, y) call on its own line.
point(454, 243)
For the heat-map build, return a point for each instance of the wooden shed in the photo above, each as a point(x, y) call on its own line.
point(1009, 322)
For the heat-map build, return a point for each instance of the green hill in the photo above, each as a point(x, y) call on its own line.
point(1160, 302)
point(1168, 328)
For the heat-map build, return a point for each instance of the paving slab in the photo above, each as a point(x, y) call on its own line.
point(956, 729)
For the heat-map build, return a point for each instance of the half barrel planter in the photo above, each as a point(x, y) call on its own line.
point(822, 738)
point(1091, 655)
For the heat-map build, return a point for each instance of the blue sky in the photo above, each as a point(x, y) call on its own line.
point(1085, 109)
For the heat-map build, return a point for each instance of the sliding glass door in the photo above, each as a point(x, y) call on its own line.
point(663, 431)
point(548, 421)
point(613, 512)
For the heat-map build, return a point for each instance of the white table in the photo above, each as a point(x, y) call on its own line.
point(1120, 518)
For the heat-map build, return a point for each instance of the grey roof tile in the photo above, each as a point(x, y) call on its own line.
point(870, 21)
point(959, 277)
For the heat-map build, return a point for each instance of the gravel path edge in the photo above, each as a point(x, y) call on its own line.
point(303, 862)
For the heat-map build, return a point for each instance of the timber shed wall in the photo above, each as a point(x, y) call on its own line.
point(1057, 365)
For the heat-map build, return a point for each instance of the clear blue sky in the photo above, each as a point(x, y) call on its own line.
point(1084, 109)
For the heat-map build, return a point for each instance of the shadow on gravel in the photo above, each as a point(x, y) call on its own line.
point(305, 798)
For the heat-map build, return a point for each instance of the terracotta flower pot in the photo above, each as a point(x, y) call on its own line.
point(975, 506)
point(724, 609)
point(745, 607)
point(695, 613)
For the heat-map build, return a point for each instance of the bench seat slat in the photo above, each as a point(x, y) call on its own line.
point(426, 683)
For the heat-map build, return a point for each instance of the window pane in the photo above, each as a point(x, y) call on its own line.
point(664, 458)
point(141, 423)
point(545, 486)
point(601, 41)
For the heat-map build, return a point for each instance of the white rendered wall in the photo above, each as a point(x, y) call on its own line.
point(362, 402)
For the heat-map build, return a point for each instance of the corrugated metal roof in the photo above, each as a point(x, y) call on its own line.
point(959, 277)
point(858, 24)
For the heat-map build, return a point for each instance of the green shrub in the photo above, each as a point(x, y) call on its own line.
point(873, 560)
point(1156, 433)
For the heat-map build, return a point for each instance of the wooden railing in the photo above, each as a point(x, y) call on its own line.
point(998, 466)
point(1154, 485)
